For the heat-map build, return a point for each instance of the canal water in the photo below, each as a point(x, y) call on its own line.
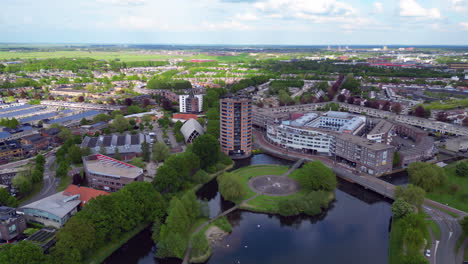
point(355, 229)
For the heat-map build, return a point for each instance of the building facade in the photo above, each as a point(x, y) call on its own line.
point(54, 210)
point(108, 174)
point(190, 103)
point(236, 126)
point(367, 156)
point(11, 223)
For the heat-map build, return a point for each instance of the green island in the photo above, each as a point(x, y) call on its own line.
point(315, 192)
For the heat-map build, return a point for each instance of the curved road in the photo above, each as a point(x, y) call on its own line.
point(50, 182)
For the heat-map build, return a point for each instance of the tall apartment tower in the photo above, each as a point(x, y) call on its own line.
point(236, 126)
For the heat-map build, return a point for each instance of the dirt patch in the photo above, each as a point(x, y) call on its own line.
point(274, 185)
point(214, 235)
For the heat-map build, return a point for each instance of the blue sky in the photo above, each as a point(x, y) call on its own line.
point(281, 22)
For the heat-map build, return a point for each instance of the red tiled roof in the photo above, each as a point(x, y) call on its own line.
point(295, 116)
point(85, 193)
point(184, 116)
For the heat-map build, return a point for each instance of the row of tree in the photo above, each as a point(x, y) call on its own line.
point(409, 228)
point(172, 237)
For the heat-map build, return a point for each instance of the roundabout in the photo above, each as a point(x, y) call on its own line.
point(273, 185)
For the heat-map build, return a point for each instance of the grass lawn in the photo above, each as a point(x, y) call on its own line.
point(396, 246)
point(104, 252)
point(454, 192)
point(434, 228)
point(64, 182)
point(265, 203)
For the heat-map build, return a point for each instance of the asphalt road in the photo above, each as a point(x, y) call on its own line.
point(442, 251)
point(50, 182)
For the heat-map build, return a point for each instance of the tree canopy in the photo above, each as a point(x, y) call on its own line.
point(426, 175)
point(206, 147)
point(315, 176)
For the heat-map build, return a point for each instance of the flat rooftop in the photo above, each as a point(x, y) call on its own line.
point(56, 204)
point(364, 142)
point(112, 169)
point(381, 127)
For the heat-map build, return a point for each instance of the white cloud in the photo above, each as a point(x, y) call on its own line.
point(411, 8)
point(460, 6)
point(299, 7)
point(377, 7)
point(141, 23)
point(124, 2)
point(247, 17)
point(227, 25)
point(464, 25)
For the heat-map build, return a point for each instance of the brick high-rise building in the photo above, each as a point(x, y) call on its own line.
point(236, 126)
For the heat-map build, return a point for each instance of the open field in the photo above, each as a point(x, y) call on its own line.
point(131, 55)
point(454, 192)
point(448, 104)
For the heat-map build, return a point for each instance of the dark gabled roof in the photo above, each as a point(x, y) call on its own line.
point(92, 142)
point(106, 142)
point(121, 140)
point(34, 138)
point(52, 131)
point(135, 139)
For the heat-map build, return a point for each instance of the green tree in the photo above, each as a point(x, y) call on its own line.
point(138, 162)
point(411, 194)
point(206, 147)
point(7, 199)
point(213, 128)
point(74, 241)
point(145, 148)
point(414, 259)
point(461, 169)
point(396, 159)
point(22, 183)
point(426, 175)
point(231, 187)
point(200, 245)
point(160, 151)
point(120, 123)
point(65, 134)
point(101, 117)
point(192, 207)
point(464, 225)
point(400, 208)
point(316, 176)
point(74, 153)
point(40, 160)
point(25, 252)
point(117, 155)
point(167, 180)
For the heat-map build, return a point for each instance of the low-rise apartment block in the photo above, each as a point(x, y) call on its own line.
point(108, 174)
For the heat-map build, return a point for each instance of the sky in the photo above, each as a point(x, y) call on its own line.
point(254, 22)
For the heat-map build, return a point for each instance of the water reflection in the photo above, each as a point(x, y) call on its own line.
point(353, 230)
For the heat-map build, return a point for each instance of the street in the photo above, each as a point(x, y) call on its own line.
point(50, 182)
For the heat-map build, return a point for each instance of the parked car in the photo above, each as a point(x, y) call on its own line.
point(428, 252)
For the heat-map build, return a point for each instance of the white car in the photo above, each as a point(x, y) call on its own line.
point(428, 252)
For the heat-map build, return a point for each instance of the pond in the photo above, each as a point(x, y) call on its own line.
point(355, 229)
